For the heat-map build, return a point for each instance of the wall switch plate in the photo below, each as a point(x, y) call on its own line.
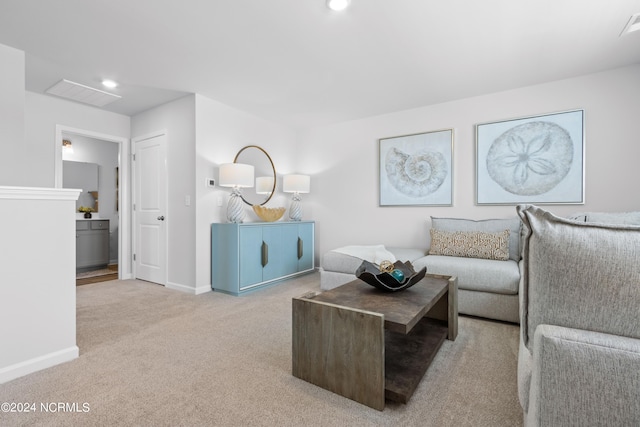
point(187, 200)
point(219, 200)
point(211, 182)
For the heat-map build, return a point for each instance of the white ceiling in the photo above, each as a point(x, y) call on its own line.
point(297, 63)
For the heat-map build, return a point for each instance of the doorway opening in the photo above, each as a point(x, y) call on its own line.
point(103, 235)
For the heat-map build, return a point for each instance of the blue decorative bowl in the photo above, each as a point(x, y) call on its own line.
point(370, 274)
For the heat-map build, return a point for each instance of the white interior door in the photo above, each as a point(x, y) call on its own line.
point(150, 209)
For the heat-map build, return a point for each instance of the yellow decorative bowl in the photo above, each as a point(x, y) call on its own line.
point(268, 214)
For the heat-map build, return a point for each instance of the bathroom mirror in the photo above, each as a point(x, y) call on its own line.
point(265, 172)
point(84, 176)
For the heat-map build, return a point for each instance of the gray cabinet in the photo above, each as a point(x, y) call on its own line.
point(92, 243)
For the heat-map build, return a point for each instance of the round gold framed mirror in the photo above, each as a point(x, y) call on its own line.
point(265, 175)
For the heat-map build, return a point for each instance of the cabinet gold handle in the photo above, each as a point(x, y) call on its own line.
point(265, 254)
point(300, 248)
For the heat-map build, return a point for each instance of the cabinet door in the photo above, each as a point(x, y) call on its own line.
point(84, 243)
point(92, 248)
point(225, 256)
point(102, 247)
point(289, 249)
point(305, 254)
point(272, 265)
point(250, 256)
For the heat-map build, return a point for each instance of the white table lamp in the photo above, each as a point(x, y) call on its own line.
point(296, 184)
point(264, 184)
point(236, 176)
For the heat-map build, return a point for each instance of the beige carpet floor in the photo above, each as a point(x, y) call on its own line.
point(150, 356)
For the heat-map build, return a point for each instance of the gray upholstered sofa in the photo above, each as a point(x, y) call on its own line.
point(486, 287)
point(579, 357)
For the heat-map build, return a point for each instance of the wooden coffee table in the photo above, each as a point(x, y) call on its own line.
point(368, 345)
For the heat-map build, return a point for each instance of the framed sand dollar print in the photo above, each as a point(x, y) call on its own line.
point(538, 159)
point(416, 170)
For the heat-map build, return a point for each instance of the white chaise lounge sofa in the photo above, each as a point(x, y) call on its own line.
point(486, 287)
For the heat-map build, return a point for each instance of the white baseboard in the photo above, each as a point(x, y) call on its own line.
point(188, 289)
point(179, 287)
point(203, 289)
point(38, 363)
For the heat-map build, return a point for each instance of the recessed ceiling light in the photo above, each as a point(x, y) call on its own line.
point(338, 4)
point(632, 25)
point(109, 83)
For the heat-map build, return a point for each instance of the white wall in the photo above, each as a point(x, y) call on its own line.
point(42, 114)
point(37, 225)
point(221, 132)
point(202, 134)
point(177, 118)
point(343, 158)
point(37, 287)
point(11, 115)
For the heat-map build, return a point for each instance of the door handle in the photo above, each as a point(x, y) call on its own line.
point(161, 218)
point(300, 248)
point(265, 254)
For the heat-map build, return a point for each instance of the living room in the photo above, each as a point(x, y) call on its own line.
point(341, 157)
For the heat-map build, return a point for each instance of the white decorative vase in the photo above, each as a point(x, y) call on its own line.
point(235, 208)
point(295, 210)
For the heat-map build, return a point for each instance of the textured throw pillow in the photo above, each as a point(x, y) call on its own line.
point(486, 226)
point(470, 244)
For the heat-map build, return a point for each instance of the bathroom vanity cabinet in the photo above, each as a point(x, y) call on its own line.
point(92, 243)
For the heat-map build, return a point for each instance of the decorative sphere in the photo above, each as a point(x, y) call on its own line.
point(398, 275)
point(386, 266)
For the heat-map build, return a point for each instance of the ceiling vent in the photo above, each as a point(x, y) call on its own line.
point(81, 93)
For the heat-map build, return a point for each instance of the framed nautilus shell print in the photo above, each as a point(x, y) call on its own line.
point(538, 159)
point(416, 170)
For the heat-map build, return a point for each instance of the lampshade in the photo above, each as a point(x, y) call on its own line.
point(235, 175)
point(296, 184)
point(264, 184)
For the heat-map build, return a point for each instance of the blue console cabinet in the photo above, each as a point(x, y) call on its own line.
point(251, 255)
